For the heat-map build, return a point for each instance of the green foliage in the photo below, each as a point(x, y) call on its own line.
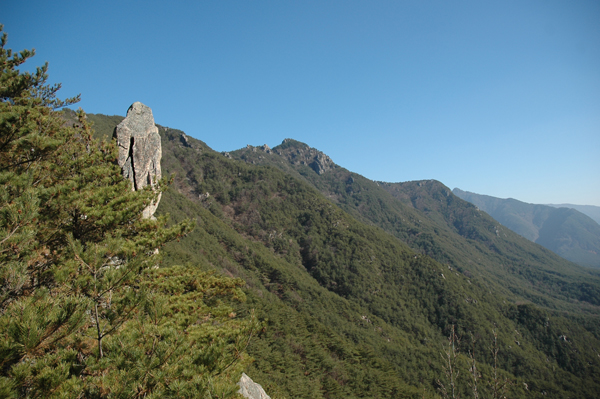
point(85, 309)
point(185, 341)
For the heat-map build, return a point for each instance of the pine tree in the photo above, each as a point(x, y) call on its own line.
point(85, 309)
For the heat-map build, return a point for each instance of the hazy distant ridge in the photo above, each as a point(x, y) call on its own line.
point(564, 230)
point(589, 210)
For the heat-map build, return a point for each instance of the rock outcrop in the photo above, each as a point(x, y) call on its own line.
point(321, 163)
point(295, 152)
point(250, 389)
point(298, 153)
point(140, 150)
point(185, 141)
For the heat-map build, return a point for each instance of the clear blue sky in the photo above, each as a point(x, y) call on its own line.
point(495, 97)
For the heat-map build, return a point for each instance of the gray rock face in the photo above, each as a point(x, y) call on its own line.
point(140, 150)
point(299, 153)
point(250, 389)
point(185, 141)
point(321, 163)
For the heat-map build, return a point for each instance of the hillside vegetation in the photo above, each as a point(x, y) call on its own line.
point(432, 221)
point(360, 283)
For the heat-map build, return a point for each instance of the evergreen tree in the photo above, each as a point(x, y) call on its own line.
point(85, 309)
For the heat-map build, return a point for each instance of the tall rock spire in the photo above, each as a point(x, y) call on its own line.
point(140, 150)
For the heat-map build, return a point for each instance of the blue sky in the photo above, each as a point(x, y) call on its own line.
point(498, 98)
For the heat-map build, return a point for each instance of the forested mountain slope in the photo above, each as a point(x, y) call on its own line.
point(433, 221)
point(351, 310)
point(565, 231)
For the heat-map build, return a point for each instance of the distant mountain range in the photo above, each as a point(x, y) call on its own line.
point(564, 230)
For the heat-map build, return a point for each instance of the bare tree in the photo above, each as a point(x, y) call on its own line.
point(450, 357)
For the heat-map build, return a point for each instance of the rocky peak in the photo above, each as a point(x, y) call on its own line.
point(140, 150)
point(292, 151)
point(298, 153)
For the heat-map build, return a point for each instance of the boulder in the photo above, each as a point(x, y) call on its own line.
point(140, 150)
point(250, 389)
